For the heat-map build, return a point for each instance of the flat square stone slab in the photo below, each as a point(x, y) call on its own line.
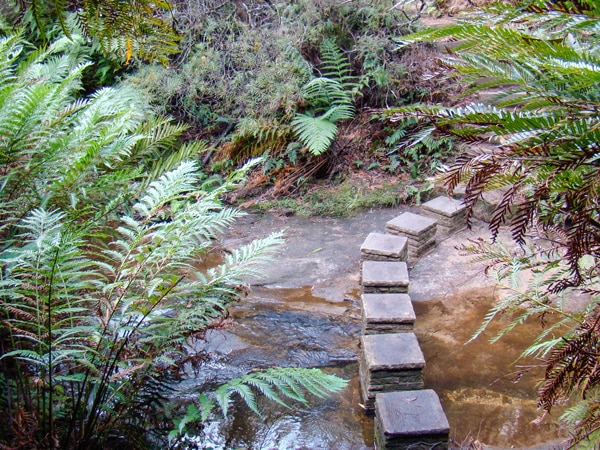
point(411, 414)
point(384, 274)
point(411, 224)
point(391, 352)
point(388, 309)
point(384, 245)
point(445, 206)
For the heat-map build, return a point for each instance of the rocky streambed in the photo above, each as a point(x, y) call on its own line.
point(305, 312)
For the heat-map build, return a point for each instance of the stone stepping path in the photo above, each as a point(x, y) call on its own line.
point(419, 230)
point(406, 415)
point(384, 276)
point(410, 419)
point(387, 313)
point(451, 214)
point(385, 369)
point(384, 247)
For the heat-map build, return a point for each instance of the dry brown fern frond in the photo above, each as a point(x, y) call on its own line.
point(574, 366)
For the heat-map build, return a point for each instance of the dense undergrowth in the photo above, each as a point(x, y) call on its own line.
point(292, 83)
point(106, 224)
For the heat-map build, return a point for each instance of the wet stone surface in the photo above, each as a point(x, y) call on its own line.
point(390, 362)
point(392, 352)
point(410, 420)
point(387, 313)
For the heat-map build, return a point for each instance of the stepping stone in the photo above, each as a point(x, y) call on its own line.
point(387, 313)
point(411, 225)
point(384, 247)
point(384, 276)
point(450, 213)
point(420, 231)
point(389, 362)
point(410, 420)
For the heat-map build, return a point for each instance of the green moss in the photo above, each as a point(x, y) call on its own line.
point(350, 197)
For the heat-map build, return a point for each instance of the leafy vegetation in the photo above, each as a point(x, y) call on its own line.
point(417, 150)
point(539, 141)
point(122, 29)
point(279, 80)
point(105, 224)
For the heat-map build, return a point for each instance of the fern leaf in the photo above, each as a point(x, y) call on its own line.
point(314, 132)
point(167, 188)
point(287, 381)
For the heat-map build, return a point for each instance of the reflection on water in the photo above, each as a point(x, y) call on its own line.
point(292, 327)
point(483, 391)
point(334, 423)
point(289, 328)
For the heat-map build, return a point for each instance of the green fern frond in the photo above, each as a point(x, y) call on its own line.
point(289, 382)
point(323, 92)
point(255, 137)
point(243, 262)
point(316, 133)
point(167, 188)
point(339, 112)
point(336, 66)
point(186, 152)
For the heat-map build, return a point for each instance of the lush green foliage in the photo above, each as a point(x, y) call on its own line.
point(416, 150)
point(539, 140)
point(259, 77)
point(121, 28)
point(331, 94)
point(99, 291)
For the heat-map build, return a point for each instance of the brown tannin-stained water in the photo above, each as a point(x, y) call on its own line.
point(292, 327)
point(482, 390)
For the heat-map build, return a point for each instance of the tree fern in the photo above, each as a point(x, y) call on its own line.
point(544, 59)
point(539, 139)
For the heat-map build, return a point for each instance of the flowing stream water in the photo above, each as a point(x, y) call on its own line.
point(306, 313)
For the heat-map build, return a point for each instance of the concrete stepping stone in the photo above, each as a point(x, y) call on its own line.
point(450, 214)
point(387, 313)
point(384, 276)
point(410, 420)
point(419, 230)
point(384, 247)
point(389, 362)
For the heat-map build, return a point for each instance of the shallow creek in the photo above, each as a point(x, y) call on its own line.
point(305, 312)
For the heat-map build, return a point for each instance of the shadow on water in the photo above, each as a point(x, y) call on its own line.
point(293, 327)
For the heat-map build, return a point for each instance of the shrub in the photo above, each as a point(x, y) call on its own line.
point(100, 283)
point(537, 138)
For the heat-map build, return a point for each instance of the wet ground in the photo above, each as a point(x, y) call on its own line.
point(305, 312)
